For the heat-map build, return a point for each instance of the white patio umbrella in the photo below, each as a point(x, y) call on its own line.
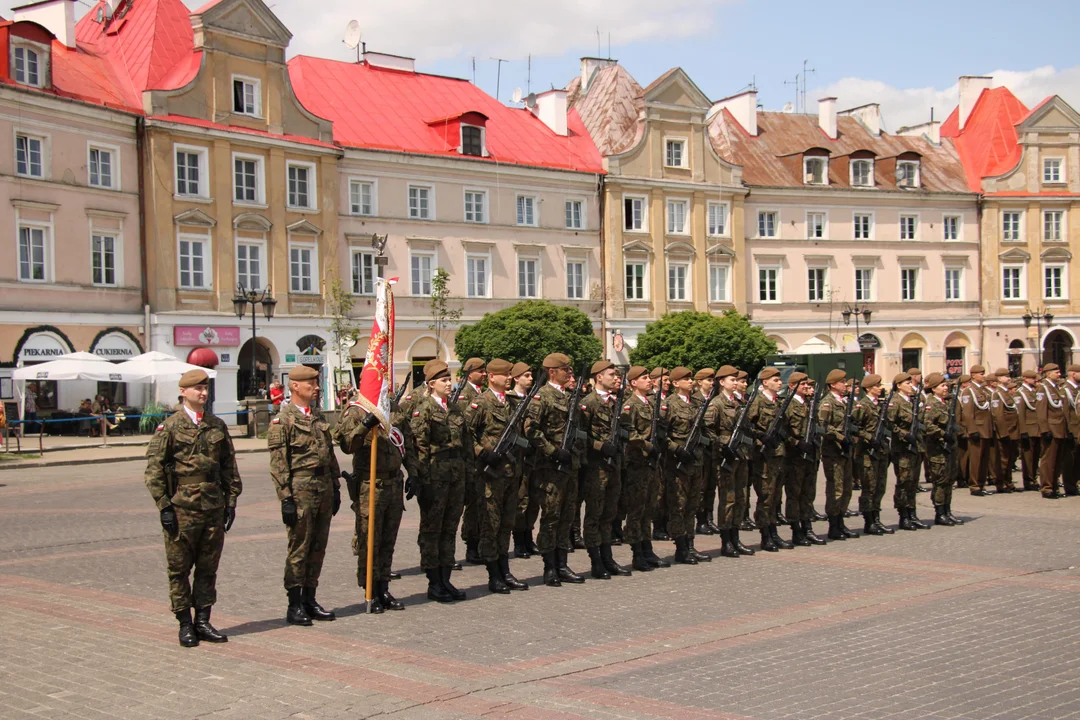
point(73, 366)
point(154, 365)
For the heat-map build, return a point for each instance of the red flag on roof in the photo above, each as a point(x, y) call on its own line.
point(377, 377)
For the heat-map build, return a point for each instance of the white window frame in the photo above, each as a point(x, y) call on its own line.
point(207, 258)
point(261, 246)
point(1062, 228)
point(522, 203)
point(485, 291)
point(915, 230)
point(1054, 165)
point(918, 284)
point(824, 225)
point(824, 160)
point(539, 275)
point(46, 247)
point(583, 206)
point(46, 158)
point(774, 267)
point(484, 215)
point(356, 280)
point(959, 221)
point(959, 283)
point(118, 257)
point(822, 292)
point(312, 185)
point(868, 293)
point(870, 177)
point(687, 290)
point(776, 224)
point(483, 140)
point(114, 165)
point(870, 226)
point(916, 179)
point(417, 282)
point(260, 180)
point(584, 263)
point(203, 154)
point(714, 297)
point(669, 216)
point(313, 247)
point(430, 202)
point(358, 181)
point(683, 144)
point(1019, 225)
point(1021, 271)
point(645, 284)
point(43, 61)
point(1064, 267)
point(644, 200)
point(710, 226)
point(257, 110)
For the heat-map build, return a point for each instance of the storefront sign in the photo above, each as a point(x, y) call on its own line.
point(290, 358)
point(41, 347)
point(204, 335)
point(954, 367)
point(116, 347)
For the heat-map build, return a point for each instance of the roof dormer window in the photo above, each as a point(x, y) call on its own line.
point(247, 96)
point(816, 170)
point(472, 140)
point(28, 61)
point(907, 173)
point(862, 173)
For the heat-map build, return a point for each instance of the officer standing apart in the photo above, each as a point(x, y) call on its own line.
point(938, 447)
point(769, 463)
point(192, 476)
point(1053, 425)
point(305, 473)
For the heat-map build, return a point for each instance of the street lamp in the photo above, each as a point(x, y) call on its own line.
point(1038, 316)
point(241, 300)
point(856, 310)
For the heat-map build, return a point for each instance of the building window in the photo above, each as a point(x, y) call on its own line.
point(1054, 282)
point(28, 156)
point(526, 210)
point(864, 279)
point(194, 256)
point(247, 180)
point(862, 173)
point(190, 166)
point(863, 226)
point(27, 66)
point(815, 225)
point(101, 167)
point(1010, 226)
point(907, 174)
point(718, 282)
point(635, 281)
point(103, 259)
point(32, 253)
point(768, 284)
point(718, 219)
point(1052, 222)
point(815, 278)
point(908, 226)
point(676, 217)
point(633, 213)
point(249, 265)
point(361, 197)
point(363, 273)
point(574, 216)
point(472, 140)
point(301, 268)
point(953, 286)
point(421, 266)
point(475, 206)
point(766, 223)
point(675, 153)
point(575, 280)
point(247, 100)
point(301, 185)
point(528, 277)
point(816, 170)
point(909, 278)
point(677, 274)
point(950, 227)
point(476, 267)
point(1012, 278)
point(1052, 170)
point(910, 358)
point(420, 203)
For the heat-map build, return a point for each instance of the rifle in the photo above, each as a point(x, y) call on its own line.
point(882, 435)
point(776, 433)
point(739, 435)
point(570, 430)
point(813, 428)
point(655, 434)
point(510, 438)
point(694, 438)
point(456, 393)
point(917, 426)
point(952, 429)
point(401, 390)
point(850, 429)
point(618, 435)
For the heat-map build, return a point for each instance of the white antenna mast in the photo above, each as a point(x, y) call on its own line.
point(352, 37)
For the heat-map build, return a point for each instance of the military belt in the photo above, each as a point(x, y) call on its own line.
point(192, 479)
point(310, 473)
point(447, 453)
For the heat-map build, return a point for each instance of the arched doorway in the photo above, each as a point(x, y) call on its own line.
point(956, 350)
point(869, 344)
point(1016, 357)
point(264, 367)
point(1057, 348)
point(912, 348)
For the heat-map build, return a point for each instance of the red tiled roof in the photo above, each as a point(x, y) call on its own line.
point(610, 108)
point(198, 122)
point(383, 109)
point(988, 144)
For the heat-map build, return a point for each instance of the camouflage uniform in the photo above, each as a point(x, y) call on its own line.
point(873, 463)
point(470, 519)
point(683, 483)
point(441, 443)
point(303, 466)
point(768, 465)
point(603, 479)
point(496, 490)
point(800, 480)
point(528, 505)
point(640, 478)
point(834, 455)
point(937, 425)
point(904, 456)
point(546, 422)
point(731, 485)
point(200, 462)
point(707, 502)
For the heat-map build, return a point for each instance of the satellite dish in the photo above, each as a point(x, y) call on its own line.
point(531, 100)
point(352, 33)
point(108, 11)
point(788, 108)
point(101, 14)
point(517, 95)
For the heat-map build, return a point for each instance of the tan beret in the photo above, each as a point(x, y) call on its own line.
point(976, 369)
point(704, 374)
point(498, 366)
point(1073, 368)
point(901, 378)
point(1031, 374)
point(743, 375)
point(726, 371)
point(835, 376)
point(1046, 368)
point(870, 381)
point(194, 377)
point(933, 380)
point(435, 369)
point(472, 365)
point(914, 371)
point(796, 377)
point(556, 360)
point(658, 372)
point(635, 372)
point(965, 378)
point(1001, 372)
point(769, 372)
point(600, 366)
point(519, 369)
point(680, 373)
point(303, 372)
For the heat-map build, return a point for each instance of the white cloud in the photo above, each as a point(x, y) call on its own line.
point(910, 106)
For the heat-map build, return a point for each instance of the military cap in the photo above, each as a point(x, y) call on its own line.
point(680, 373)
point(519, 369)
point(1073, 368)
point(901, 378)
point(1031, 374)
point(914, 371)
point(769, 372)
point(933, 380)
point(635, 372)
point(556, 360)
point(726, 371)
point(704, 374)
point(303, 372)
point(811, 382)
point(472, 365)
point(965, 378)
point(1049, 367)
point(1001, 372)
point(870, 381)
point(796, 377)
point(743, 375)
point(498, 366)
point(435, 369)
point(600, 366)
point(976, 369)
point(658, 372)
point(835, 376)
point(194, 377)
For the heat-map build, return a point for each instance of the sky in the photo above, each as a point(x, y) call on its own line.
point(905, 56)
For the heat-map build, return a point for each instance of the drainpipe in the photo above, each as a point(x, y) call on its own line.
point(603, 260)
point(978, 256)
point(140, 147)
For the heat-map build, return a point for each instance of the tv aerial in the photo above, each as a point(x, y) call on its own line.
point(352, 37)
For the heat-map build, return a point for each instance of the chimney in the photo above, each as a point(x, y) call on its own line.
point(867, 115)
point(589, 66)
point(971, 87)
point(827, 116)
point(56, 16)
point(390, 62)
point(551, 109)
point(930, 130)
point(743, 107)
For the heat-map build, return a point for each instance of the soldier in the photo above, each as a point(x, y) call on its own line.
point(742, 381)
point(1069, 461)
point(906, 451)
point(682, 468)
point(557, 467)
point(640, 478)
point(662, 384)
point(922, 471)
point(800, 478)
point(873, 458)
point(192, 476)
point(305, 474)
point(961, 469)
point(1053, 425)
point(1003, 408)
point(353, 435)
point(938, 447)
point(706, 523)
point(731, 483)
point(1030, 439)
point(815, 460)
point(528, 495)
point(835, 454)
point(769, 462)
point(978, 422)
point(473, 375)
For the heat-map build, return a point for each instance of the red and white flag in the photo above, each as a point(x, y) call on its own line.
point(377, 378)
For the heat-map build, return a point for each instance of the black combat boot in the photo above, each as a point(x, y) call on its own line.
point(395, 575)
point(748, 525)
point(699, 556)
point(610, 565)
point(702, 527)
point(376, 606)
point(565, 573)
point(780, 519)
point(388, 601)
point(204, 630)
point(948, 511)
point(659, 532)
point(598, 570)
point(869, 528)
point(521, 547)
point(682, 552)
point(848, 533)
point(314, 610)
point(576, 541)
point(188, 637)
point(651, 557)
point(850, 513)
point(551, 570)
point(810, 535)
point(905, 519)
point(296, 614)
point(530, 543)
point(919, 524)
point(444, 575)
point(818, 517)
point(738, 543)
point(508, 577)
point(798, 534)
point(727, 547)
point(640, 562)
point(435, 589)
point(835, 533)
point(711, 523)
point(777, 540)
point(885, 529)
point(495, 581)
point(456, 567)
point(941, 518)
point(616, 532)
point(767, 544)
point(472, 552)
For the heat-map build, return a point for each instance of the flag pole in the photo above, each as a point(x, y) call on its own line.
point(368, 590)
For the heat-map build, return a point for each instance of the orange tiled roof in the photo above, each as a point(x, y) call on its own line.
point(988, 144)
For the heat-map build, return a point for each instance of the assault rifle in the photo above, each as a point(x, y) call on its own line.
point(401, 390)
point(851, 430)
point(777, 433)
point(510, 437)
point(693, 439)
point(570, 430)
point(656, 436)
point(918, 405)
point(882, 435)
point(952, 429)
point(739, 435)
point(813, 428)
point(618, 435)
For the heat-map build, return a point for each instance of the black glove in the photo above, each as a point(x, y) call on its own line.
point(288, 512)
point(422, 490)
point(609, 450)
point(975, 435)
point(729, 454)
point(168, 521)
point(562, 457)
point(1047, 436)
point(488, 458)
point(371, 421)
point(230, 517)
point(684, 456)
point(410, 489)
point(337, 501)
point(804, 447)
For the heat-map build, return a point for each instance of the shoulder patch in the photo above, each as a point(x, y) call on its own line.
point(965, 399)
point(892, 404)
point(585, 408)
point(160, 427)
point(473, 406)
point(416, 414)
point(625, 408)
point(825, 404)
point(663, 408)
point(1039, 396)
point(275, 421)
point(997, 403)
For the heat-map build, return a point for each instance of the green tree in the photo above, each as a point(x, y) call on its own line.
point(442, 314)
point(344, 328)
point(698, 340)
point(528, 332)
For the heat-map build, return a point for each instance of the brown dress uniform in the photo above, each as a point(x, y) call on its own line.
point(978, 422)
point(1003, 406)
point(1070, 464)
point(1030, 437)
point(1053, 424)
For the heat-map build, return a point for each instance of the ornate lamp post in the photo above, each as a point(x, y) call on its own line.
point(856, 310)
point(241, 300)
point(1038, 316)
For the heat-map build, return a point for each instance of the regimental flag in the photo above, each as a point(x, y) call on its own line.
point(377, 378)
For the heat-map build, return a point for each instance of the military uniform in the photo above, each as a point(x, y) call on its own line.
point(938, 448)
point(706, 503)
point(1070, 463)
point(470, 519)
point(1006, 415)
point(767, 465)
point(835, 457)
point(731, 476)
point(800, 480)
point(528, 508)
point(906, 454)
point(659, 498)
point(1051, 404)
point(873, 461)
point(640, 478)
point(978, 423)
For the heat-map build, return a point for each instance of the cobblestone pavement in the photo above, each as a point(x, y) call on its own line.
point(971, 622)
